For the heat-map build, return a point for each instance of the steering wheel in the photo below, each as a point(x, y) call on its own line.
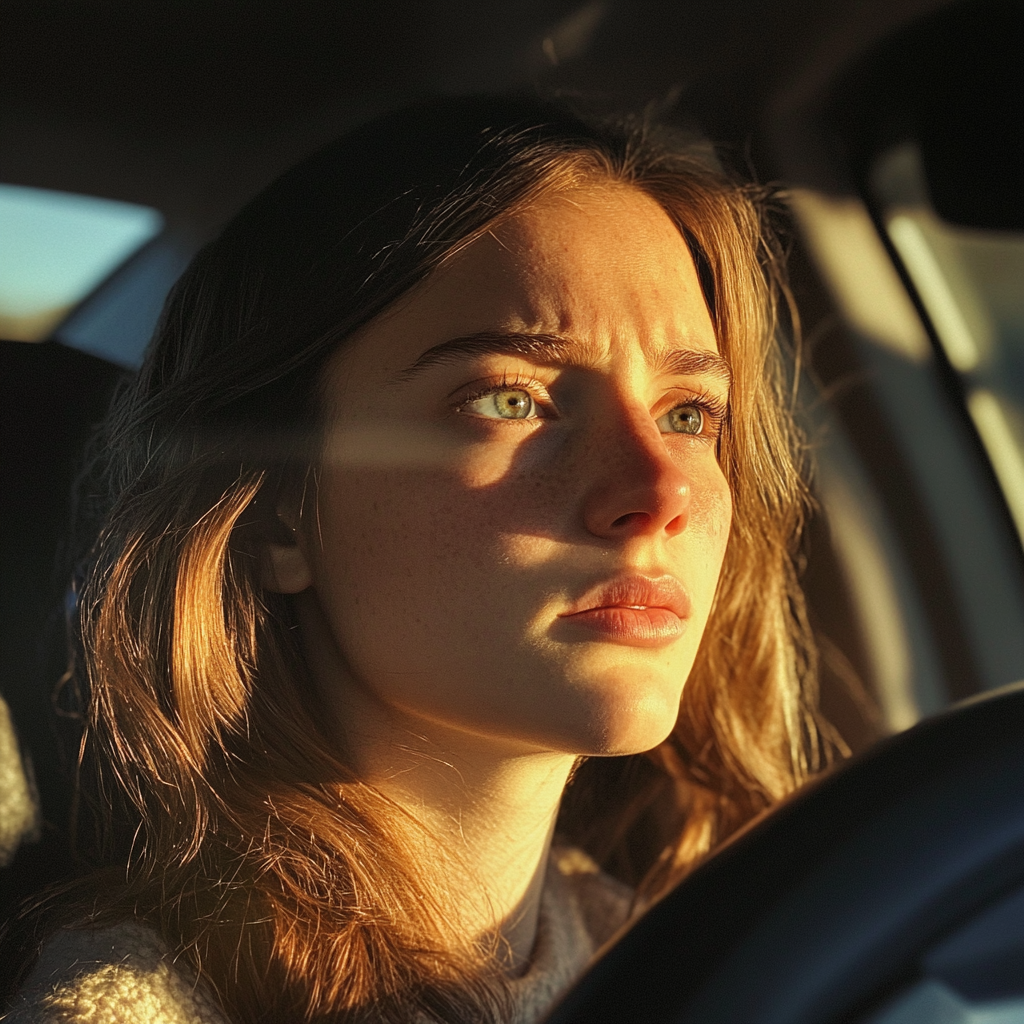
point(890, 891)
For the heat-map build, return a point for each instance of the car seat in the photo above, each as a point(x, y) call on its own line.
point(50, 398)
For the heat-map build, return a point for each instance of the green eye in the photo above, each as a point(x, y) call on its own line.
point(683, 419)
point(507, 404)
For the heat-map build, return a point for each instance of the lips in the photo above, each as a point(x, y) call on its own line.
point(637, 610)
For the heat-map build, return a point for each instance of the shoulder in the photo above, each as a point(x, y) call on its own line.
point(122, 974)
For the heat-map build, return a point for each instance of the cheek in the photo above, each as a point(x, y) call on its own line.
point(496, 509)
point(711, 506)
point(709, 527)
point(403, 550)
point(428, 588)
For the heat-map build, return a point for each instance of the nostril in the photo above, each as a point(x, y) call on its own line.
point(631, 519)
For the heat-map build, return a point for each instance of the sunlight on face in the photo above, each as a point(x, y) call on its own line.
point(532, 553)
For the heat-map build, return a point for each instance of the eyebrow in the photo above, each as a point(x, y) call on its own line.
point(556, 350)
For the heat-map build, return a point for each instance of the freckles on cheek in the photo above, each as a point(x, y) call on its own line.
point(516, 492)
point(711, 514)
point(711, 506)
point(443, 533)
point(407, 513)
point(432, 524)
point(508, 524)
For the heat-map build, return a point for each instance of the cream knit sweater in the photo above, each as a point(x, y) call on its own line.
point(124, 974)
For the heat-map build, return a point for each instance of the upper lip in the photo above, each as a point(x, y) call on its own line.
point(636, 590)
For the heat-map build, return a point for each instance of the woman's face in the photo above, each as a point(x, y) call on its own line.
point(520, 520)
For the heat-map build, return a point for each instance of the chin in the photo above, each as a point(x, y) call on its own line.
point(625, 719)
point(634, 737)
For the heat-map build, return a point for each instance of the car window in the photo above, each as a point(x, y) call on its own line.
point(907, 195)
point(55, 248)
point(970, 283)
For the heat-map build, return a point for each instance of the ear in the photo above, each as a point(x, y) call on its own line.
point(286, 568)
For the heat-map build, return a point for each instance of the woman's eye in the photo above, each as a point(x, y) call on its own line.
point(683, 419)
point(506, 404)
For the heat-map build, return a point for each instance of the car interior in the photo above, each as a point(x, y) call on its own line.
point(891, 890)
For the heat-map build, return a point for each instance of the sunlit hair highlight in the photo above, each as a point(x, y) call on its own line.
point(250, 844)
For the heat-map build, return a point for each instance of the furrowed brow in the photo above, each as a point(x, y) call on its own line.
point(687, 362)
point(542, 349)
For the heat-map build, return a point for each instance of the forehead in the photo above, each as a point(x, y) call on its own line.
point(603, 266)
point(605, 248)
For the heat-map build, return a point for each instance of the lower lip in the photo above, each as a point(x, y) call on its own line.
point(638, 627)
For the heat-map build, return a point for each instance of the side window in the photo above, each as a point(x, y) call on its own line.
point(55, 248)
point(936, 136)
point(907, 171)
point(970, 284)
point(89, 272)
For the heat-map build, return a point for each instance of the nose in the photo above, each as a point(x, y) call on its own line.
point(639, 489)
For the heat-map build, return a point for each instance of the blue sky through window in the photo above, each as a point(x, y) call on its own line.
point(55, 248)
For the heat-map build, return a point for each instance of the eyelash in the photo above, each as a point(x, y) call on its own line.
point(714, 408)
point(508, 383)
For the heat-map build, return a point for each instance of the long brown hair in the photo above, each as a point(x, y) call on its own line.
point(249, 842)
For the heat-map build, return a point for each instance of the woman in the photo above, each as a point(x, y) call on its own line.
point(444, 606)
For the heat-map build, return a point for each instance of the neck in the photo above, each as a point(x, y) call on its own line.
point(487, 806)
point(488, 814)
